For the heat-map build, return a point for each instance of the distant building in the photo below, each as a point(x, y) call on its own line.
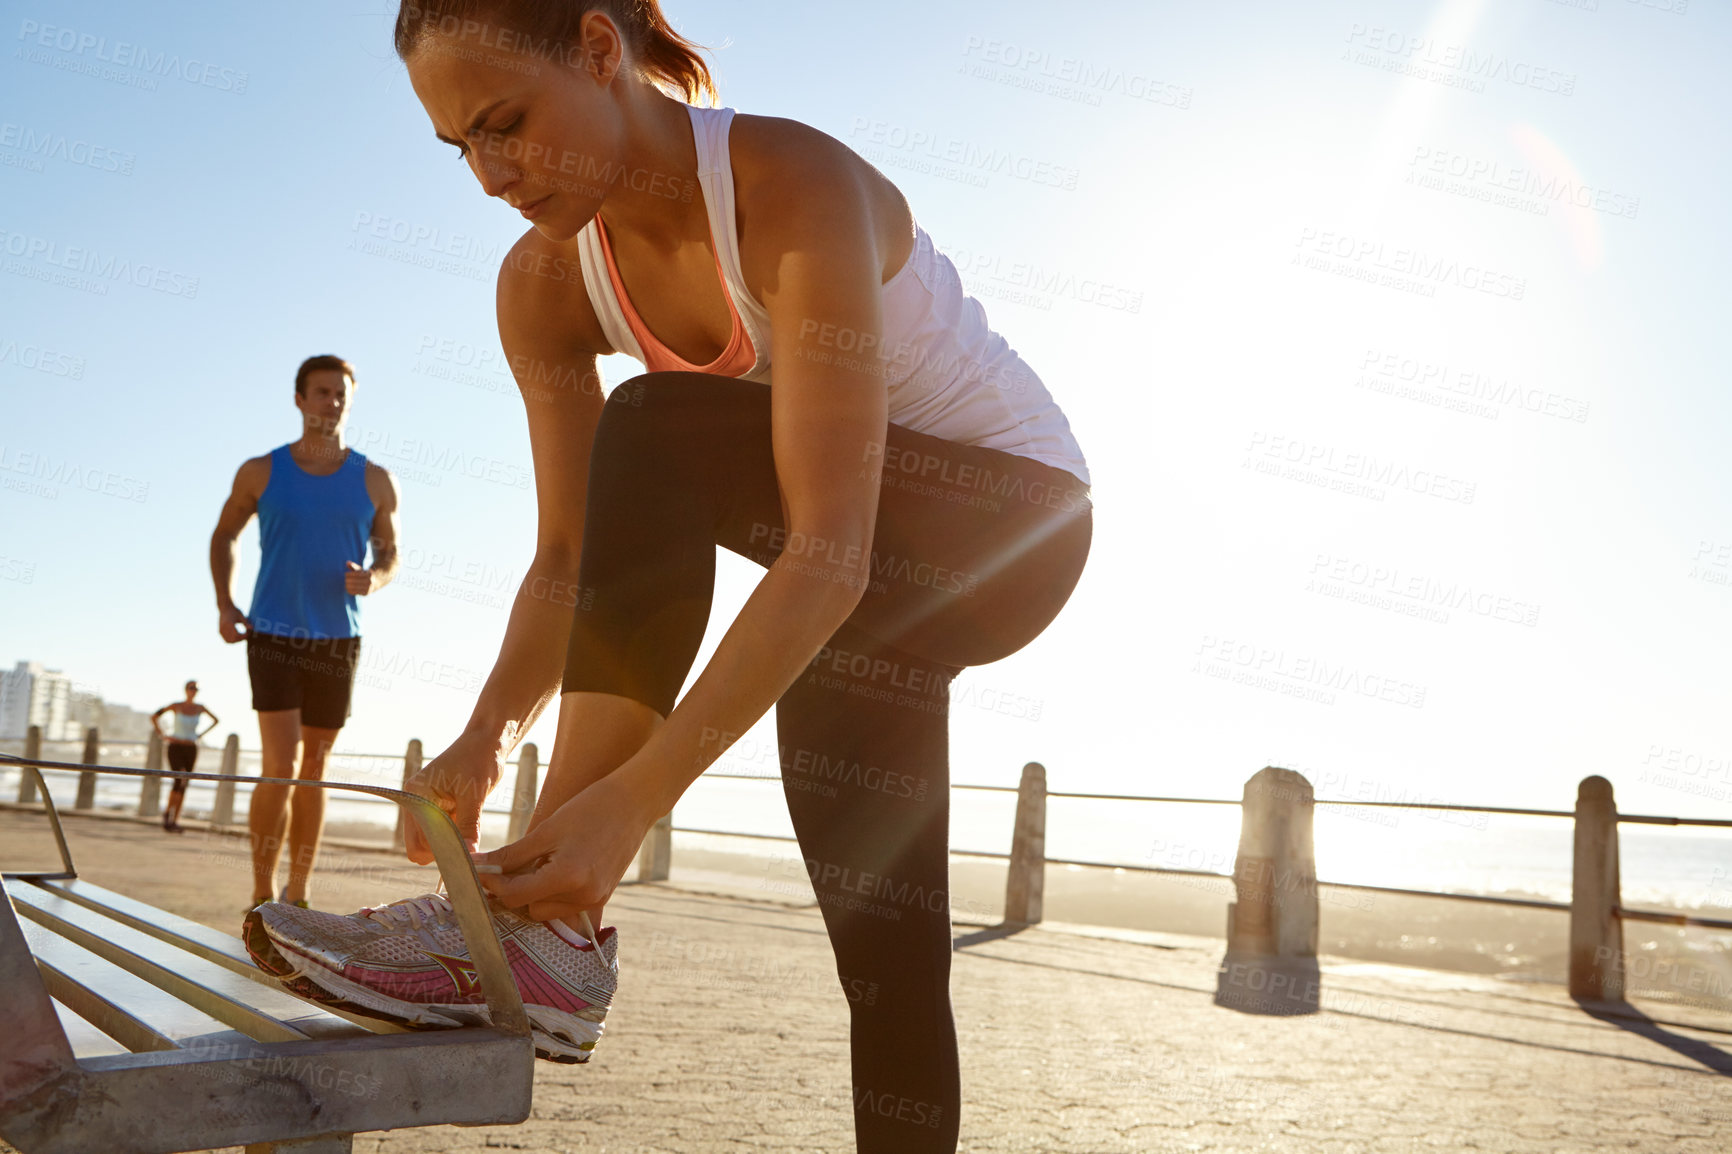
point(83, 709)
point(14, 701)
point(32, 695)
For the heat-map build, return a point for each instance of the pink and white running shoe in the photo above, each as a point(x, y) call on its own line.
point(407, 962)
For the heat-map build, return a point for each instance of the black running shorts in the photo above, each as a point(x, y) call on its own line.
point(182, 756)
point(315, 676)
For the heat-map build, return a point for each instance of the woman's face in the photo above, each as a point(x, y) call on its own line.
point(540, 130)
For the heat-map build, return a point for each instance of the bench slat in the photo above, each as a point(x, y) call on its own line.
point(258, 1011)
point(124, 1006)
point(196, 938)
point(225, 950)
point(87, 1041)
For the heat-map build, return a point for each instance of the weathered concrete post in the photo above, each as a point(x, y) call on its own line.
point(87, 780)
point(1596, 927)
point(523, 794)
point(1271, 962)
point(1025, 885)
point(150, 788)
point(411, 767)
point(32, 752)
point(655, 857)
point(223, 812)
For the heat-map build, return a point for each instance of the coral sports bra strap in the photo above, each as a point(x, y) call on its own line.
point(736, 357)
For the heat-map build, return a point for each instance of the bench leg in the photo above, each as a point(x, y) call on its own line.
point(323, 1144)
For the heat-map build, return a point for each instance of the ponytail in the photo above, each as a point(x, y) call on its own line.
point(547, 28)
point(670, 60)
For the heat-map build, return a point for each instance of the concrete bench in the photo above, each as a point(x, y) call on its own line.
point(125, 1028)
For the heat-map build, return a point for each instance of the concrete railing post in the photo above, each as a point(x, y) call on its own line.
point(1596, 927)
point(1025, 885)
point(150, 788)
point(1271, 962)
point(411, 767)
point(656, 856)
point(523, 794)
point(32, 752)
point(87, 780)
point(223, 812)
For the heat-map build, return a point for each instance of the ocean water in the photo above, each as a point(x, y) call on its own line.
point(1663, 868)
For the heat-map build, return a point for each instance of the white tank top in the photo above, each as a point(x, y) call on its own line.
point(948, 373)
point(186, 725)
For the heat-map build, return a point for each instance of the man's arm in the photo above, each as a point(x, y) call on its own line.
point(242, 503)
point(382, 488)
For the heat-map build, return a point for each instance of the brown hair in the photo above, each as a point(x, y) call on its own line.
point(321, 363)
point(549, 27)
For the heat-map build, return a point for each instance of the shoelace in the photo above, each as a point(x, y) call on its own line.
point(437, 909)
point(429, 911)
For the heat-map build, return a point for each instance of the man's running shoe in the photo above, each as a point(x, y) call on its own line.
point(407, 962)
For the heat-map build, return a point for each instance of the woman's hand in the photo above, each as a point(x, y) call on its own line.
point(459, 780)
point(572, 862)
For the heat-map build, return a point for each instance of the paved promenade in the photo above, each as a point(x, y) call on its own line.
point(729, 1035)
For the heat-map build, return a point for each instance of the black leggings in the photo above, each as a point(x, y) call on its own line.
point(974, 553)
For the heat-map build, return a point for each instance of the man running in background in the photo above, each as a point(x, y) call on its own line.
point(319, 506)
point(182, 748)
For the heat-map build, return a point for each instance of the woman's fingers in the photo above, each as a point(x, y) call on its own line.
point(415, 848)
point(569, 912)
point(456, 794)
point(467, 817)
point(415, 843)
point(538, 870)
point(523, 852)
point(536, 884)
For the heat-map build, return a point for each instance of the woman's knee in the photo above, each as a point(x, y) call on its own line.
point(669, 439)
point(642, 426)
point(671, 404)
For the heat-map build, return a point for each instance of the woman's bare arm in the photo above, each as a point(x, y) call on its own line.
point(555, 370)
point(553, 359)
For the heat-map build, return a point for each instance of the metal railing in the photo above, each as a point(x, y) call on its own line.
point(1596, 909)
point(1657, 916)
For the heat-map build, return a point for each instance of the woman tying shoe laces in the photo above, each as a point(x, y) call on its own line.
point(822, 398)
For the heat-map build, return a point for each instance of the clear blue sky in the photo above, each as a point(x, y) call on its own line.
point(1347, 283)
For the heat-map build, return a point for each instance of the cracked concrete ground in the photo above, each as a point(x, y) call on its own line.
point(729, 1034)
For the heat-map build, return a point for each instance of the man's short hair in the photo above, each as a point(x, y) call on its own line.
point(321, 363)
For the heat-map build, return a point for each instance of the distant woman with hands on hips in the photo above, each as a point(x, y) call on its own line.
point(821, 397)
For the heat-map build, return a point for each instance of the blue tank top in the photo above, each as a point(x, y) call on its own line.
point(308, 527)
